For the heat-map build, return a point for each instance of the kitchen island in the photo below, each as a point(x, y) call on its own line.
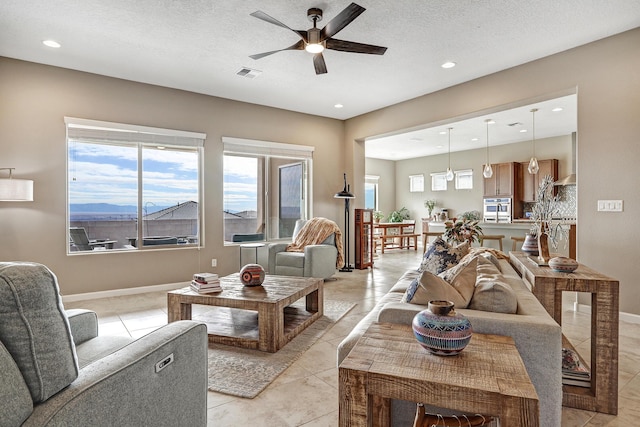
point(518, 228)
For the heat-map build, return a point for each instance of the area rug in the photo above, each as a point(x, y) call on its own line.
point(245, 373)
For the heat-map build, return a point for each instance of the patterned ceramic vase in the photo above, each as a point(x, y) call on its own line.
point(563, 264)
point(441, 330)
point(530, 244)
point(252, 275)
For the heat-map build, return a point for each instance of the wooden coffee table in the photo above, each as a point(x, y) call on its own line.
point(488, 378)
point(258, 317)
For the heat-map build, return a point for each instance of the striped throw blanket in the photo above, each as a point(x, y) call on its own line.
point(316, 231)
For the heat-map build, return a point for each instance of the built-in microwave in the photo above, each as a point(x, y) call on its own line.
point(497, 210)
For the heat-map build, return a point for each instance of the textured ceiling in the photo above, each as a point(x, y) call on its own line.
point(199, 45)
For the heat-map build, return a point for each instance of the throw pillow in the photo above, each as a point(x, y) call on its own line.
point(35, 329)
point(441, 256)
point(492, 292)
point(463, 278)
point(429, 287)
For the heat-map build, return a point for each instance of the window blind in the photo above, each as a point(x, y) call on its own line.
point(266, 148)
point(99, 131)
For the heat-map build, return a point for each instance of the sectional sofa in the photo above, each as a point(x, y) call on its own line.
point(537, 336)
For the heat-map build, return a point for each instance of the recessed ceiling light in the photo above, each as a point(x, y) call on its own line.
point(338, 106)
point(51, 43)
point(555, 110)
point(523, 130)
point(439, 147)
point(444, 132)
point(491, 122)
point(474, 139)
point(448, 64)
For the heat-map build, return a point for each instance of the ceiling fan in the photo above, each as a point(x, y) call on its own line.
point(315, 40)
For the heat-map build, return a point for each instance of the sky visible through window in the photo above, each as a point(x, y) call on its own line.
point(100, 173)
point(240, 184)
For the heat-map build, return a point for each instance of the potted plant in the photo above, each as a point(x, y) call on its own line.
point(377, 216)
point(430, 205)
point(399, 215)
point(471, 215)
point(462, 230)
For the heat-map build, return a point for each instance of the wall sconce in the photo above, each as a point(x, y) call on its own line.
point(15, 190)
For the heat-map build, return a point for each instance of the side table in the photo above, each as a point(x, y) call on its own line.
point(255, 246)
point(488, 377)
point(548, 286)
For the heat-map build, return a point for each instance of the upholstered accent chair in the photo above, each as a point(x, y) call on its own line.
point(315, 261)
point(56, 371)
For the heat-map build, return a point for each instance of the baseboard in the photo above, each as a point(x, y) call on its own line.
point(122, 292)
point(626, 317)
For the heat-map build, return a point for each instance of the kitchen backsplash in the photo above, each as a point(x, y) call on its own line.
point(567, 198)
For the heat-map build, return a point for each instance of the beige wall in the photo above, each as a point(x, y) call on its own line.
point(33, 102)
point(605, 76)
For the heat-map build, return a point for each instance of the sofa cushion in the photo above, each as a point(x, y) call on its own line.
point(430, 287)
point(34, 328)
point(441, 256)
point(463, 278)
point(492, 292)
point(14, 393)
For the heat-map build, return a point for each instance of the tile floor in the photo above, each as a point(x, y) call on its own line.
point(306, 393)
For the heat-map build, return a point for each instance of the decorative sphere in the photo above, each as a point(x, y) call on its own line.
point(441, 330)
point(252, 275)
point(563, 264)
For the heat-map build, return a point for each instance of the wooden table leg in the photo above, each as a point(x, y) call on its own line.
point(270, 327)
point(352, 395)
point(177, 310)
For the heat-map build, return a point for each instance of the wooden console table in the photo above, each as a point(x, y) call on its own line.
point(548, 286)
point(488, 377)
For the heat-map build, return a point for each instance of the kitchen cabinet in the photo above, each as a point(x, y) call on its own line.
point(531, 183)
point(503, 181)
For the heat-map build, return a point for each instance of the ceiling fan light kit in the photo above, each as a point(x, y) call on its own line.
point(315, 40)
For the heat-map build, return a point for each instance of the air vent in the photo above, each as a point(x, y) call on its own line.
point(249, 73)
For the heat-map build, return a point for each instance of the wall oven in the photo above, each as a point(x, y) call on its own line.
point(497, 210)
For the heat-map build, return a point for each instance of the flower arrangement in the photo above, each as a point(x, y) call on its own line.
point(378, 215)
point(430, 205)
point(544, 210)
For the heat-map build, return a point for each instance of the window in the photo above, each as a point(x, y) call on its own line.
point(266, 189)
point(464, 179)
point(371, 192)
point(439, 181)
point(132, 187)
point(416, 183)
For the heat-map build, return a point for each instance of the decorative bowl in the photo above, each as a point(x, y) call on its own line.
point(252, 275)
point(563, 264)
point(441, 330)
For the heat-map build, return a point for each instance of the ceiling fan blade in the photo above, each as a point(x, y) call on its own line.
point(346, 46)
point(261, 15)
point(297, 46)
point(319, 64)
point(343, 19)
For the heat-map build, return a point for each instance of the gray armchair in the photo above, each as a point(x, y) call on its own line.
point(315, 261)
point(56, 371)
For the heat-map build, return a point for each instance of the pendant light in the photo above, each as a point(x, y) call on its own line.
point(533, 163)
point(449, 174)
point(488, 170)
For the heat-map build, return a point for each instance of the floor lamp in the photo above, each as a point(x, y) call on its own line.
point(347, 196)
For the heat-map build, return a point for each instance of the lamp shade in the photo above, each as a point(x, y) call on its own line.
point(16, 190)
point(345, 193)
